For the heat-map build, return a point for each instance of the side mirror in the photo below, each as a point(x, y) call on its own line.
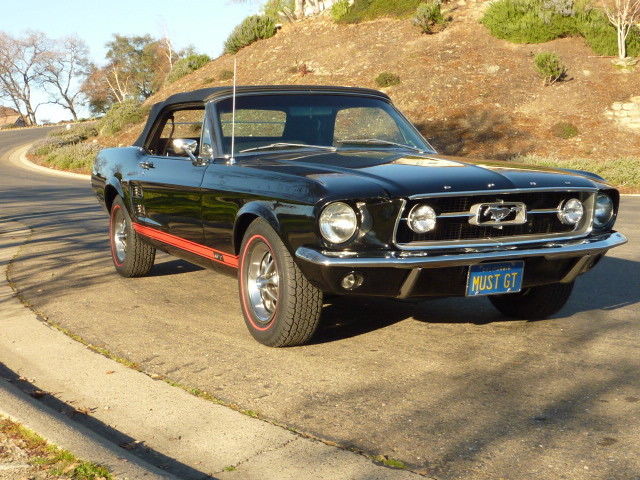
point(186, 145)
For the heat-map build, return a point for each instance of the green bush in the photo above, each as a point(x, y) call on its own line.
point(526, 21)
point(121, 115)
point(63, 137)
point(549, 67)
point(225, 75)
point(252, 29)
point(538, 21)
point(340, 9)
point(370, 9)
point(601, 36)
point(564, 130)
point(387, 79)
point(78, 156)
point(428, 15)
point(186, 65)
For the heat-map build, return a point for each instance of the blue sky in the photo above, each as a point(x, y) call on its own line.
point(201, 23)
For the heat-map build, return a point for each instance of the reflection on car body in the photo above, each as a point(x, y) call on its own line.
point(332, 190)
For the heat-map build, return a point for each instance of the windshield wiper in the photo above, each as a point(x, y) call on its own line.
point(379, 141)
point(274, 146)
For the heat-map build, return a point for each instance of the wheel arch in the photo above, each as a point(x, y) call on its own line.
point(111, 190)
point(246, 215)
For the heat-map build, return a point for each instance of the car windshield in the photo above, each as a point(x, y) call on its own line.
point(320, 122)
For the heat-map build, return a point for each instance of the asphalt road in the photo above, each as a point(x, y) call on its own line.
point(448, 386)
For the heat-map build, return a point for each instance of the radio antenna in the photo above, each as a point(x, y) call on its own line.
point(232, 160)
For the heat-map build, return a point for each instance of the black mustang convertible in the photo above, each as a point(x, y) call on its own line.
point(313, 190)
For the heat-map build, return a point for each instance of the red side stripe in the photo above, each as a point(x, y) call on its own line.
point(187, 245)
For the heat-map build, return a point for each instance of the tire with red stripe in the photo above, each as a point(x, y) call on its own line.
point(131, 256)
point(280, 307)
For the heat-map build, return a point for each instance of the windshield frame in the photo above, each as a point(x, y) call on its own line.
point(213, 111)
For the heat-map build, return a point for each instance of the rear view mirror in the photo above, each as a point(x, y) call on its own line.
point(185, 145)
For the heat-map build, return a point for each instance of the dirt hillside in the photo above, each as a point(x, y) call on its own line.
point(469, 93)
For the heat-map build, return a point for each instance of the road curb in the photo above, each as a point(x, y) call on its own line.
point(194, 437)
point(59, 430)
point(51, 425)
point(23, 161)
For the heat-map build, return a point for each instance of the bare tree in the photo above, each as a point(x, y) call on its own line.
point(622, 14)
point(63, 68)
point(21, 69)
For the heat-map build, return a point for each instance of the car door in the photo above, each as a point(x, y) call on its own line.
point(169, 183)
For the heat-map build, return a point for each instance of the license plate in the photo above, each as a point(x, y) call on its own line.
point(492, 278)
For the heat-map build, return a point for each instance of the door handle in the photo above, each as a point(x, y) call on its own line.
point(146, 165)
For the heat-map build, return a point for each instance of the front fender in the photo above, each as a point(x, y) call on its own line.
point(294, 223)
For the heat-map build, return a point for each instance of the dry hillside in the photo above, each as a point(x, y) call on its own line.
point(469, 93)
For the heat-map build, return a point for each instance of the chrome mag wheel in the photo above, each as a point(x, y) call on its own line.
point(263, 282)
point(120, 236)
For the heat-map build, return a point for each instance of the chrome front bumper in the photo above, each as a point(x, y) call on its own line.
point(591, 246)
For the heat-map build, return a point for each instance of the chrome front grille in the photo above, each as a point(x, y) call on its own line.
point(455, 224)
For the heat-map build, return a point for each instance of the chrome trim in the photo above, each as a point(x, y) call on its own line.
point(547, 211)
point(519, 208)
point(584, 228)
point(588, 246)
point(512, 190)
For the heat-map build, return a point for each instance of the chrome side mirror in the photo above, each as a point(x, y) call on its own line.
point(186, 145)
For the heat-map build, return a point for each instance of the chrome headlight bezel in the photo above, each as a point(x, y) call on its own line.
point(607, 213)
point(422, 218)
point(571, 212)
point(338, 223)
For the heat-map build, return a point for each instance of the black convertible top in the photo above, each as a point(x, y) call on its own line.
point(204, 95)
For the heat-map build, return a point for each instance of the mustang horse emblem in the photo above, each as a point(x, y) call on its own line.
point(497, 214)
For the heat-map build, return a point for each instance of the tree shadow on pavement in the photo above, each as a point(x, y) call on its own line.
point(74, 417)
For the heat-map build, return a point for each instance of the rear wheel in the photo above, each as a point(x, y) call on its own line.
point(280, 307)
point(131, 256)
point(534, 303)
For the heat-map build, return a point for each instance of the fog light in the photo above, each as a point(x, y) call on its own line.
point(352, 281)
point(571, 212)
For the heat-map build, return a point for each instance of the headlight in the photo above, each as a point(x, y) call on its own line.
point(571, 212)
point(338, 222)
point(422, 219)
point(603, 212)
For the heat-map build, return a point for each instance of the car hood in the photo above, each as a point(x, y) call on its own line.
point(352, 174)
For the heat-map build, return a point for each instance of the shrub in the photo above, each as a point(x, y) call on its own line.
point(252, 29)
point(387, 79)
point(428, 15)
point(564, 130)
point(370, 9)
point(340, 9)
point(550, 67)
point(600, 35)
point(225, 75)
point(78, 156)
point(62, 137)
point(537, 21)
point(186, 65)
point(526, 21)
point(121, 115)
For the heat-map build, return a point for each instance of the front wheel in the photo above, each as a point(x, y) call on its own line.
point(132, 257)
point(534, 303)
point(280, 307)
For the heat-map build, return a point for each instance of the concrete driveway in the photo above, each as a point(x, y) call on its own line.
point(447, 386)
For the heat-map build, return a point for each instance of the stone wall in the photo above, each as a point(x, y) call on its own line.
point(626, 114)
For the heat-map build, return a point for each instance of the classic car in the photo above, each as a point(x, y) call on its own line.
point(308, 190)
